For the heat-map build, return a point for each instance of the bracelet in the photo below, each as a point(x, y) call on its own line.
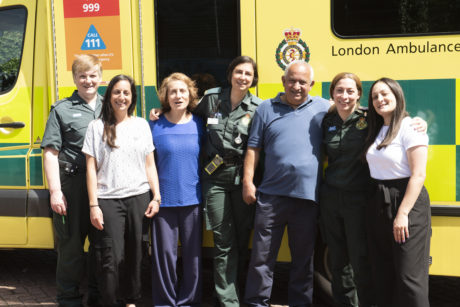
point(93, 206)
point(158, 200)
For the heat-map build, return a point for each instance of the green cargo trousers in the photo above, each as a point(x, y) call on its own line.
point(231, 221)
point(71, 231)
point(343, 225)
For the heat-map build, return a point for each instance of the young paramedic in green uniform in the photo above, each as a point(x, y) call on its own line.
point(343, 196)
point(65, 169)
point(228, 113)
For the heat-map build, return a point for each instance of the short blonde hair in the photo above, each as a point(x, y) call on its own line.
point(163, 92)
point(85, 62)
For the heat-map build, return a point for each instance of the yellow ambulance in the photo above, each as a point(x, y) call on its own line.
point(415, 43)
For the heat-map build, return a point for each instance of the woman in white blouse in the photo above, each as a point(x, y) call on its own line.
point(399, 216)
point(121, 176)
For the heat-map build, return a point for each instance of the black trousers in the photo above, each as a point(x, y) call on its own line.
point(118, 248)
point(343, 226)
point(71, 231)
point(400, 270)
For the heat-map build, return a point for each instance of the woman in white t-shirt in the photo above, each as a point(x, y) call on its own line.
point(121, 173)
point(399, 216)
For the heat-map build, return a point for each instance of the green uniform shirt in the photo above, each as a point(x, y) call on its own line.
point(227, 130)
point(66, 127)
point(344, 144)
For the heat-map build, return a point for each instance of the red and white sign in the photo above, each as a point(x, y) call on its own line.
point(93, 27)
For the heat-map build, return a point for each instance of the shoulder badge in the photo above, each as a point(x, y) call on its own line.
point(291, 48)
point(246, 119)
point(361, 124)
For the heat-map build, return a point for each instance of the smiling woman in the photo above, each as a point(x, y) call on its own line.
point(177, 136)
point(398, 212)
point(343, 194)
point(121, 99)
point(121, 177)
point(65, 164)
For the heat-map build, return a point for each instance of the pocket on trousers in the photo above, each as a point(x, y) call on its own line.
point(61, 226)
point(103, 251)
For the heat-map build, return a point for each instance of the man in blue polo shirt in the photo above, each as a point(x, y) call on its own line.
point(288, 129)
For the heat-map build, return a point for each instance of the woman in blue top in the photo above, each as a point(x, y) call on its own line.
point(177, 136)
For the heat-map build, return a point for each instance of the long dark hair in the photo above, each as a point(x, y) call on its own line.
point(107, 115)
point(375, 121)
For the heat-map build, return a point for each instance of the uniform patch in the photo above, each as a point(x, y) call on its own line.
point(361, 124)
point(291, 48)
point(246, 119)
point(332, 128)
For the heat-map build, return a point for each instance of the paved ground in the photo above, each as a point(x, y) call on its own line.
point(27, 279)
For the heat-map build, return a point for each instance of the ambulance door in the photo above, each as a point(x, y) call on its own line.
point(17, 22)
point(199, 39)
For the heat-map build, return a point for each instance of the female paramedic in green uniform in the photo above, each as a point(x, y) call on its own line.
point(343, 195)
point(228, 113)
point(65, 170)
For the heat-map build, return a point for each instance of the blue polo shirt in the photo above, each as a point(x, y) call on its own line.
point(291, 140)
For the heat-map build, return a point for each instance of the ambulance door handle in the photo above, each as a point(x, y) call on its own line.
point(14, 125)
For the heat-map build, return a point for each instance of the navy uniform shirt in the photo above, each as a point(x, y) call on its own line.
point(344, 144)
point(66, 127)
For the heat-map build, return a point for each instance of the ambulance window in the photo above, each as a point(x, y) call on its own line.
point(12, 29)
point(395, 17)
point(198, 38)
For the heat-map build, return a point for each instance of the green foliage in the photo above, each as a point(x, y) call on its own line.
point(10, 51)
point(10, 67)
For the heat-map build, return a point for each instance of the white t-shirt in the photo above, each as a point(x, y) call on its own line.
point(120, 171)
point(391, 162)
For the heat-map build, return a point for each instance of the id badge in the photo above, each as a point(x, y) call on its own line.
point(213, 121)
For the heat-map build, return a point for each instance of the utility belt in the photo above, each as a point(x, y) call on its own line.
point(71, 169)
point(218, 161)
point(233, 160)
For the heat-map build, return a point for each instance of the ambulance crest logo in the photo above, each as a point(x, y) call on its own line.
point(361, 124)
point(291, 48)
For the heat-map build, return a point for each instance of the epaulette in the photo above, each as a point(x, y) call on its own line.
point(256, 100)
point(57, 103)
point(362, 110)
point(215, 90)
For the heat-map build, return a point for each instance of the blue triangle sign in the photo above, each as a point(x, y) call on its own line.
point(93, 40)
